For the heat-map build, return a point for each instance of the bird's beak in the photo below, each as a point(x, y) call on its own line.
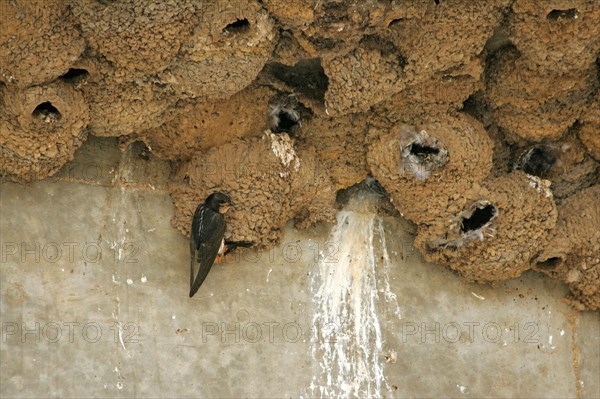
point(225, 207)
point(231, 205)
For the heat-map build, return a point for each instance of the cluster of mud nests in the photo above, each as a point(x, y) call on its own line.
point(481, 119)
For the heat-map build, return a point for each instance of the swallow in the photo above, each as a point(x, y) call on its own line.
point(207, 239)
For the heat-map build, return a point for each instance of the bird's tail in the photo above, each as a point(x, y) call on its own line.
point(192, 267)
point(232, 245)
point(202, 273)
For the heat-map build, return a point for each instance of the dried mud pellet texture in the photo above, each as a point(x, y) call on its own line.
point(337, 27)
point(445, 104)
point(288, 50)
point(440, 94)
point(40, 129)
point(121, 104)
point(590, 137)
point(340, 144)
point(268, 180)
point(564, 163)
point(442, 36)
point(533, 104)
point(362, 78)
point(494, 228)
point(225, 52)
point(442, 45)
point(38, 41)
point(573, 170)
point(141, 36)
point(200, 125)
point(291, 14)
point(305, 78)
point(589, 133)
point(424, 167)
point(562, 36)
point(573, 250)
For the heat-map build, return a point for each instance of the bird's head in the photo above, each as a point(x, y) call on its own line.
point(218, 202)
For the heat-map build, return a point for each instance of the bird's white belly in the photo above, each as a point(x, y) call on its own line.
point(222, 247)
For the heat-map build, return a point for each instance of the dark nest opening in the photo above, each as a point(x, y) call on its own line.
point(285, 121)
point(285, 113)
point(75, 75)
point(423, 151)
point(570, 13)
point(550, 263)
point(238, 26)
point(46, 111)
point(537, 161)
point(474, 226)
point(396, 22)
point(306, 77)
point(423, 155)
point(479, 217)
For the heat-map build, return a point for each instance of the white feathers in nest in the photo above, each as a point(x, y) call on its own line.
point(458, 238)
point(282, 106)
point(421, 165)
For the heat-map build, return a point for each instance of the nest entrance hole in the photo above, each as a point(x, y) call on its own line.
point(286, 121)
point(423, 151)
point(571, 13)
point(537, 161)
point(237, 26)
point(474, 226)
point(396, 22)
point(285, 113)
point(423, 154)
point(550, 263)
point(306, 77)
point(479, 217)
point(75, 75)
point(46, 111)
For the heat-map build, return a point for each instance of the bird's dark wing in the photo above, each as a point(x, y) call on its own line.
point(195, 239)
point(208, 230)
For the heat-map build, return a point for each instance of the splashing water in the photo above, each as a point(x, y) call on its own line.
point(347, 338)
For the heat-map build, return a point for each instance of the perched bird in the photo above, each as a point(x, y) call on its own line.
point(207, 239)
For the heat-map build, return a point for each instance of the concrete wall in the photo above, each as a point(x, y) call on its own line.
point(94, 303)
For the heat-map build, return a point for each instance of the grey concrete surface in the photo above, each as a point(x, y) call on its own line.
point(94, 284)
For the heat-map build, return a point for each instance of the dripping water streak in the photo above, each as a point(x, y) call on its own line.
point(347, 339)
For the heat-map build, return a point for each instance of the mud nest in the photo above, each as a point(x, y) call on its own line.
point(271, 180)
point(445, 157)
point(493, 228)
point(573, 250)
point(463, 111)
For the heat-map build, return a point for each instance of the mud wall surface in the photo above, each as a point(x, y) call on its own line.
point(481, 120)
